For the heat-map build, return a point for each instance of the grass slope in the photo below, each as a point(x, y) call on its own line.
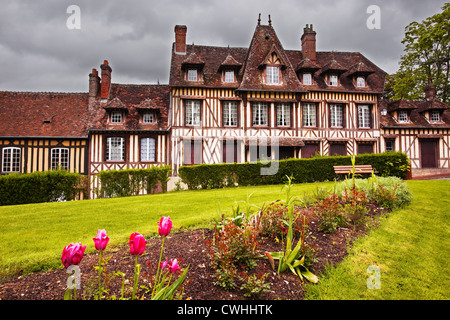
point(411, 248)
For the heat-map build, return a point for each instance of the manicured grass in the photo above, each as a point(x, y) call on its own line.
point(33, 236)
point(410, 247)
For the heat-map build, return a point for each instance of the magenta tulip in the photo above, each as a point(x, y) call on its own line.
point(165, 225)
point(173, 266)
point(101, 240)
point(72, 254)
point(164, 264)
point(137, 244)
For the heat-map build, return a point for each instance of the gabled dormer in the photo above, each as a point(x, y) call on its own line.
point(400, 110)
point(358, 73)
point(116, 111)
point(305, 71)
point(272, 67)
point(192, 67)
point(332, 72)
point(229, 69)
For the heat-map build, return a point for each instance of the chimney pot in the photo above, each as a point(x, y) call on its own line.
point(308, 40)
point(106, 80)
point(180, 39)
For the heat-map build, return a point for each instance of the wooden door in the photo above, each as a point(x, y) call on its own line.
point(337, 149)
point(428, 152)
point(365, 148)
point(310, 149)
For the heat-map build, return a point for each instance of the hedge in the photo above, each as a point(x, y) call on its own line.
point(208, 176)
point(36, 187)
point(130, 182)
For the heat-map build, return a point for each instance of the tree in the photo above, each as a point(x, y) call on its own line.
point(426, 56)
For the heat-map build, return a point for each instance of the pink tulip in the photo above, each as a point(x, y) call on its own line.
point(72, 254)
point(165, 225)
point(101, 240)
point(137, 244)
point(173, 266)
point(164, 264)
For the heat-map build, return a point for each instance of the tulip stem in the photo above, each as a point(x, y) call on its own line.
point(159, 267)
point(100, 275)
point(136, 276)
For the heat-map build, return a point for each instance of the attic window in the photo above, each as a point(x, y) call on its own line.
point(333, 80)
point(192, 75)
point(229, 76)
point(307, 79)
point(360, 82)
point(402, 116)
point(148, 117)
point(272, 75)
point(116, 117)
point(435, 116)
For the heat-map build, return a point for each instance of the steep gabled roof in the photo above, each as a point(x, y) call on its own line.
point(265, 42)
point(43, 114)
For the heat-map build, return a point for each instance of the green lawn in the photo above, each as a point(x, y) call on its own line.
point(33, 236)
point(411, 246)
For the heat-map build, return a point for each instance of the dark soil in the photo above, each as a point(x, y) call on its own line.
point(189, 247)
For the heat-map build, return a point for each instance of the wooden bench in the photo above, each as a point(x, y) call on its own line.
point(358, 169)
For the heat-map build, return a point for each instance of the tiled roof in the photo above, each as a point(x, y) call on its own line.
point(133, 99)
point(43, 114)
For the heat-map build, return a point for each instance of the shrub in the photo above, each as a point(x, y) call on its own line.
point(207, 176)
point(36, 187)
point(329, 213)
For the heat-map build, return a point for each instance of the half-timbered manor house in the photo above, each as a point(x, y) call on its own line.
point(225, 104)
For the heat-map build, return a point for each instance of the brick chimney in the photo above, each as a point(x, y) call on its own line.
point(180, 39)
point(94, 86)
point(430, 91)
point(309, 43)
point(106, 80)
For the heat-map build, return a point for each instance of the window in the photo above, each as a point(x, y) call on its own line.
point(116, 117)
point(360, 82)
point(192, 75)
point(229, 76)
point(148, 149)
point(307, 79)
point(389, 145)
point(148, 117)
point(230, 113)
point(435, 116)
point(60, 158)
point(309, 115)
point(336, 115)
point(402, 116)
point(193, 112)
point(333, 80)
point(283, 115)
point(11, 160)
point(115, 149)
point(364, 116)
point(259, 114)
point(272, 75)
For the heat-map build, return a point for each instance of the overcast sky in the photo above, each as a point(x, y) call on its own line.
point(38, 52)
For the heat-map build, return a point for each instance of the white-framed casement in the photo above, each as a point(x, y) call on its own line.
point(309, 114)
point(283, 114)
point(260, 114)
point(60, 158)
point(364, 116)
point(116, 117)
point(402, 116)
point(148, 149)
point(272, 75)
point(336, 115)
point(229, 76)
point(230, 113)
point(193, 112)
point(333, 80)
point(11, 159)
point(115, 149)
point(148, 117)
point(435, 116)
point(360, 81)
point(307, 78)
point(192, 74)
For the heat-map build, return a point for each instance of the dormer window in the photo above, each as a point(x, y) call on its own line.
point(272, 75)
point(307, 79)
point(360, 82)
point(148, 117)
point(402, 116)
point(435, 116)
point(116, 117)
point(333, 80)
point(192, 75)
point(229, 76)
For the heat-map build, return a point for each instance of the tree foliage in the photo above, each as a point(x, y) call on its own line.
point(426, 56)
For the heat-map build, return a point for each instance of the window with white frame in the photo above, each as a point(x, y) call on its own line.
point(336, 115)
point(60, 158)
point(333, 80)
point(193, 108)
point(309, 115)
point(259, 114)
point(229, 76)
point(148, 149)
point(11, 159)
point(192, 75)
point(230, 110)
point(364, 116)
point(435, 116)
point(148, 117)
point(283, 115)
point(116, 117)
point(272, 75)
point(360, 82)
point(307, 78)
point(115, 149)
point(402, 116)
